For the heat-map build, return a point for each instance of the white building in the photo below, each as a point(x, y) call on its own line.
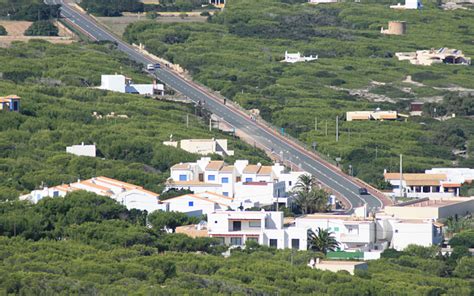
point(250, 185)
point(409, 4)
point(371, 115)
point(321, 1)
point(297, 57)
point(203, 146)
point(435, 56)
point(122, 84)
point(203, 203)
point(132, 196)
point(433, 183)
point(266, 228)
point(82, 150)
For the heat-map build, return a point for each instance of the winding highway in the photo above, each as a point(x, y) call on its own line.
point(340, 183)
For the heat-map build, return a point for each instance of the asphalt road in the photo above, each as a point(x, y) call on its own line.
point(331, 177)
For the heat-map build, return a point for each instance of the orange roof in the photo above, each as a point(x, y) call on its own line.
point(265, 170)
point(227, 169)
point(388, 116)
point(451, 185)
point(251, 169)
point(196, 196)
point(415, 177)
point(181, 166)
point(218, 195)
point(125, 185)
point(423, 183)
point(215, 165)
point(360, 117)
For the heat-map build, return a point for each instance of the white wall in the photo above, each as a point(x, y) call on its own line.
point(135, 199)
point(406, 233)
point(182, 204)
point(82, 150)
point(113, 83)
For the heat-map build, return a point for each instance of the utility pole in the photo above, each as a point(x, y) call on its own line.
point(326, 128)
point(337, 128)
point(210, 124)
point(401, 175)
point(316, 123)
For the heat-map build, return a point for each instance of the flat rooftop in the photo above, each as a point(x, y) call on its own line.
point(334, 216)
point(433, 203)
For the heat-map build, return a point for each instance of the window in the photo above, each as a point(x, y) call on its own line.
point(236, 225)
point(295, 243)
point(183, 178)
point(273, 243)
point(211, 178)
point(238, 179)
point(396, 230)
point(225, 193)
point(255, 224)
point(191, 203)
point(236, 241)
point(55, 193)
point(225, 180)
point(336, 229)
point(289, 183)
point(248, 179)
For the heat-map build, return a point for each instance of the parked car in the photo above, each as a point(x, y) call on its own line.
point(157, 66)
point(363, 191)
point(150, 67)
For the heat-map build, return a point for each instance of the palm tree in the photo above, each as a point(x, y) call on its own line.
point(312, 201)
point(305, 183)
point(322, 241)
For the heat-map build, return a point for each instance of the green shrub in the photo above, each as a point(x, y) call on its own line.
point(3, 31)
point(42, 28)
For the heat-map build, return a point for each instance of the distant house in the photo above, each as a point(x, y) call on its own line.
point(371, 115)
point(432, 208)
point(322, 1)
point(434, 56)
point(297, 57)
point(409, 4)
point(416, 108)
point(10, 103)
point(203, 203)
point(203, 146)
point(437, 182)
point(122, 84)
point(217, 3)
point(131, 196)
point(338, 265)
point(266, 228)
point(82, 150)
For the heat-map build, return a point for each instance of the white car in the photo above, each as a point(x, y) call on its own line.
point(150, 67)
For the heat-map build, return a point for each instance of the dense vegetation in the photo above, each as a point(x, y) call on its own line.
point(88, 244)
point(28, 10)
point(111, 7)
point(42, 28)
point(55, 114)
point(238, 52)
point(3, 31)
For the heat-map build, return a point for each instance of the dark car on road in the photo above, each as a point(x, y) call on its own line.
point(363, 191)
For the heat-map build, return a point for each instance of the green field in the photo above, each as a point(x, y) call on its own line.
point(238, 53)
point(56, 84)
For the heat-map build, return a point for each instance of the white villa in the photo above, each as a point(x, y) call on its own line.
point(437, 182)
point(249, 185)
point(203, 203)
point(82, 150)
point(370, 235)
point(409, 4)
point(122, 84)
point(266, 228)
point(132, 196)
point(297, 57)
